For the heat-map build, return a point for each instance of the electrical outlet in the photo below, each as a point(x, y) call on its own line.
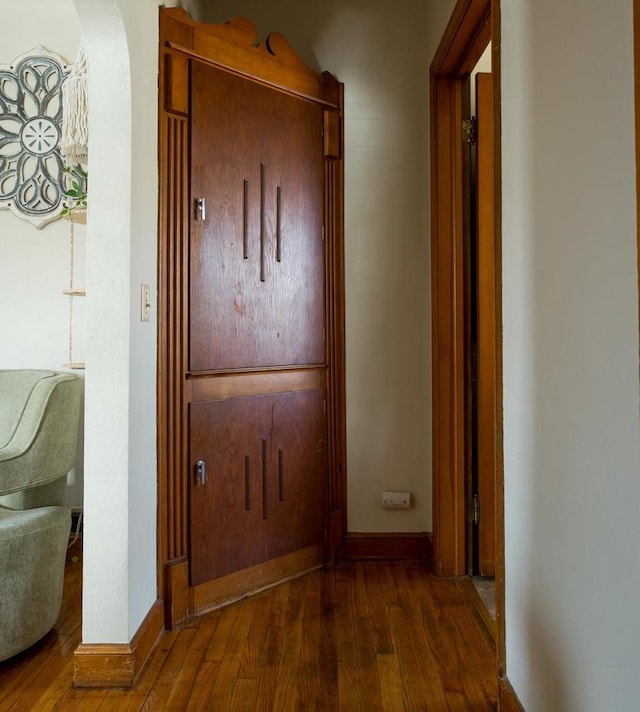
point(396, 500)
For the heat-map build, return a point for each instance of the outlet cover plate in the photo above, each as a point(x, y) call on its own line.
point(396, 500)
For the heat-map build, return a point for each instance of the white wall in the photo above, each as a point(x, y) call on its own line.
point(571, 424)
point(141, 22)
point(381, 51)
point(34, 264)
point(120, 488)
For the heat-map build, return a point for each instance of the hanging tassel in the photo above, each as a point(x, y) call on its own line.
point(74, 141)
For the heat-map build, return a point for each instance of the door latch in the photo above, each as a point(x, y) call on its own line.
point(201, 472)
point(201, 209)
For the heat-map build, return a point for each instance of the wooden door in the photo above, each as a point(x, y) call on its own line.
point(256, 305)
point(251, 425)
point(486, 315)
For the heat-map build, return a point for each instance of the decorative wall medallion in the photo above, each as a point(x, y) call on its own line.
point(31, 167)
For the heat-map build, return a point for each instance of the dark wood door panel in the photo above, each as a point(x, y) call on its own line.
point(264, 494)
point(226, 511)
point(296, 498)
point(257, 258)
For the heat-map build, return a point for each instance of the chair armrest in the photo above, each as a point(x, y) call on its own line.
point(43, 445)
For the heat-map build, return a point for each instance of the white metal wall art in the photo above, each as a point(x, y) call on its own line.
point(31, 166)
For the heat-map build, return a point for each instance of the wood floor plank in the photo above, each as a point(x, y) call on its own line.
point(220, 638)
point(116, 699)
point(89, 701)
point(57, 689)
point(388, 589)
point(437, 622)
point(420, 689)
point(349, 688)
point(310, 682)
point(286, 696)
point(479, 657)
point(471, 648)
point(203, 683)
point(345, 629)
point(360, 594)
point(72, 700)
point(327, 649)
point(390, 683)
point(224, 683)
point(279, 605)
point(269, 666)
point(422, 682)
point(458, 702)
point(377, 610)
point(286, 693)
point(158, 696)
point(256, 638)
point(367, 665)
point(58, 672)
point(348, 681)
point(292, 642)
point(362, 637)
point(131, 702)
point(183, 684)
point(245, 695)
point(19, 673)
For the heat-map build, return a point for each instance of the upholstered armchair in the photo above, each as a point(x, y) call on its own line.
point(39, 413)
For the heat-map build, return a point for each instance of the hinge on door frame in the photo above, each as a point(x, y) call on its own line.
point(473, 509)
point(469, 130)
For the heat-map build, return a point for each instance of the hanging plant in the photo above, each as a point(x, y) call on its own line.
point(76, 193)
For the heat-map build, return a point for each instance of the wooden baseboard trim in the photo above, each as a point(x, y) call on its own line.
point(385, 546)
point(119, 665)
point(508, 700)
point(233, 587)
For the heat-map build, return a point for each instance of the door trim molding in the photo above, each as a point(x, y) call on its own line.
point(472, 24)
point(270, 83)
point(636, 79)
point(463, 42)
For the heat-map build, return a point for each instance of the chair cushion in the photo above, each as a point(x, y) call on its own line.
point(15, 389)
point(33, 545)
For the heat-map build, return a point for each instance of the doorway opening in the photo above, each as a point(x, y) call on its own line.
point(480, 338)
point(466, 306)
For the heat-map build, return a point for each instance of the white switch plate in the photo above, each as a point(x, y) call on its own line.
point(396, 500)
point(145, 302)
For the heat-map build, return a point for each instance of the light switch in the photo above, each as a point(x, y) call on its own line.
point(145, 302)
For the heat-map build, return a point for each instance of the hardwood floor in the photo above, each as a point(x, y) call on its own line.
point(365, 636)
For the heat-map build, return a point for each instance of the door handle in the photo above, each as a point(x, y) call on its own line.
point(201, 208)
point(201, 472)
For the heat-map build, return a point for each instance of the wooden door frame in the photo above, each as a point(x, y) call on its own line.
point(473, 23)
point(232, 47)
point(636, 79)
